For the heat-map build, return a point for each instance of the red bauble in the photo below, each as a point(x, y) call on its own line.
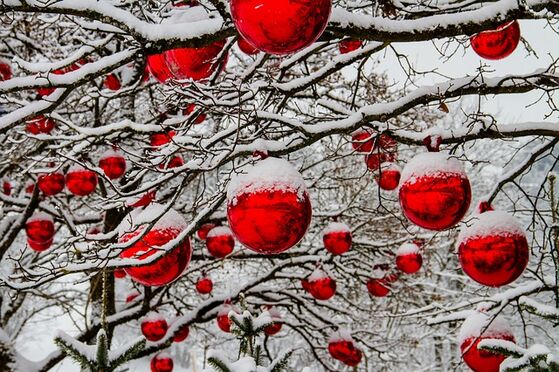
point(388, 177)
point(112, 82)
point(497, 44)
point(337, 238)
point(81, 181)
point(375, 159)
point(51, 183)
point(175, 162)
point(378, 287)
point(470, 336)
point(320, 285)
point(204, 230)
point(194, 63)
point(268, 207)
point(363, 141)
point(223, 321)
point(167, 268)
point(342, 347)
point(200, 116)
point(40, 231)
point(204, 285)
point(161, 138)
point(181, 334)
point(246, 48)
point(408, 258)
point(162, 362)
point(6, 188)
point(434, 191)
point(154, 327)
point(220, 242)
point(5, 70)
point(119, 273)
point(40, 125)
point(275, 327)
point(493, 251)
point(280, 26)
point(158, 68)
point(113, 164)
point(347, 46)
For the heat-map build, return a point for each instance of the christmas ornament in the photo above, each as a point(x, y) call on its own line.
point(223, 321)
point(342, 347)
point(200, 116)
point(51, 183)
point(158, 68)
point(204, 285)
point(280, 26)
point(39, 229)
point(119, 273)
point(497, 44)
point(384, 150)
point(362, 140)
point(493, 250)
point(337, 238)
point(194, 63)
point(275, 327)
point(204, 230)
point(113, 164)
point(5, 70)
point(220, 242)
point(181, 334)
point(408, 258)
point(40, 125)
point(320, 285)
point(246, 48)
point(167, 228)
point(434, 191)
point(161, 138)
point(347, 46)
point(154, 326)
point(175, 162)
point(378, 287)
point(81, 181)
point(161, 362)
point(112, 82)
point(6, 187)
point(268, 206)
point(471, 334)
point(388, 177)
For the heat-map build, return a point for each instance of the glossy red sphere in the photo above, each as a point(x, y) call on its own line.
point(375, 159)
point(220, 242)
point(497, 44)
point(51, 183)
point(388, 179)
point(409, 263)
point(204, 285)
point(181, 334)
point(378, 287)
point(113, 165)
point(6, 188)
point(112, 82)
point(337, 242)
point(81, 181)
point(269, 221)
point(5, 70)
point(39, 229)
point(482, 360)
point(280, 26)
point(362, 141)
point(204, 230)
point(200, 116)
point(345, 351)
point(161, 138)
point(40, 125)
point(160, 363)
point(175, 162)
point(246, 48)
point(323, 288)
point(194, 63)
point(273, 329)
point(154, 329)
point(158, 68)
point(224, 323)
point(164, 270)
point(347, 46)
point(39, 246)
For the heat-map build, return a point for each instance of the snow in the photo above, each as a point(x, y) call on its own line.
point(407, 248)
point(340, 335)
point(40, 216)
point(431, 164)
point(110, 153)
point(336, 227)
point(219, 231)
point(317, 274)
point(153, 316)
point(138, 217)
point(478, 322)
point(491, 223)
point(226, 309)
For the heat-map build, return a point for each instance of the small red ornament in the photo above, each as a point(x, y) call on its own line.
point(194, 63)
point(167, 268)
point(175, 162)
point(181, 334)
point(435, 192)
point(142, 201)
point(161, 362)
point(158, 68)
point(408, 258)
point(204, 285)
point(470, 336)
point(497, 44)
point(112, 82)
point(6, 187)
point(268, 207)
point(280, 26)
point(275, 327)
point(200, 116)
point(342, 347)
point(223, 321)
point(40, 125)
point(51, 183)
point(388, 177)
point(362, 140)
point(119, 273)
point(220, 242)
point(40, 231)
point(204, 230)
point(246, 48)
point(337, 238)
point(347, 46)
point(378, 287)
point(320, 285)
point(81, 181)
point(154, 326)
point(161, 138)
point(5, 70)
point(113, 164)
point(493, 251)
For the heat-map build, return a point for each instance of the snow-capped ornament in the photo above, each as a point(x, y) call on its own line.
point(203, 231)
point(112, 82)
point(154, 326)
point(378, 287)
point(158, 68)
point(337, 238)
point(81, 181)
point(280, 26)
point(39, 229)
point(471, 334)
point(167, 228)
point(246, 48)
point(161, 362)
point(220, 242)
point(348, 46)
point(113, 164)
point(320, 285)
point(268, 206)
point(200, 116)
point(223, 321)
point(493, 250)
point(40, 125)
point(362, 140)
point(497, 44)
point(119, 273)
point(204, 285)
point(408, 258)
point(161, 138)
point(388, 177)
point(342, 347)
point(275, 327)
point(51, 183)
point(194, 63)
point(435, 191)
point(5, 70)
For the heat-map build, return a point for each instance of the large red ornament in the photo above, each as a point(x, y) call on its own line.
point(204, 230)
point(51, 183)
point(162, 362)
point(113, 164)
point(112, 82)
point(194, 63)
point(154, 327)
point(220, 241)
point(40, 231)
point(268, 207)
point(223, 321)
point(200, 116)
point(434, 191)
point(493, 251)
point(246, 48)
point(5, 70)
point(81, 181)
point(470, 336)
point(408, 258)
point(388, 177)
point(320, 285)
point(158, 68)
point(280, 26)
point(167, 268)
point(40, 125)
point(337, 238)
point(204, 285)
point(497, 44)
point(342, 347)
point(347, 46)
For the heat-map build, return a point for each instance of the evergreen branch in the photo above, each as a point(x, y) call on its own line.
point(219, 365)
point(280, 363)
point(129, 353)
point(73, 352)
